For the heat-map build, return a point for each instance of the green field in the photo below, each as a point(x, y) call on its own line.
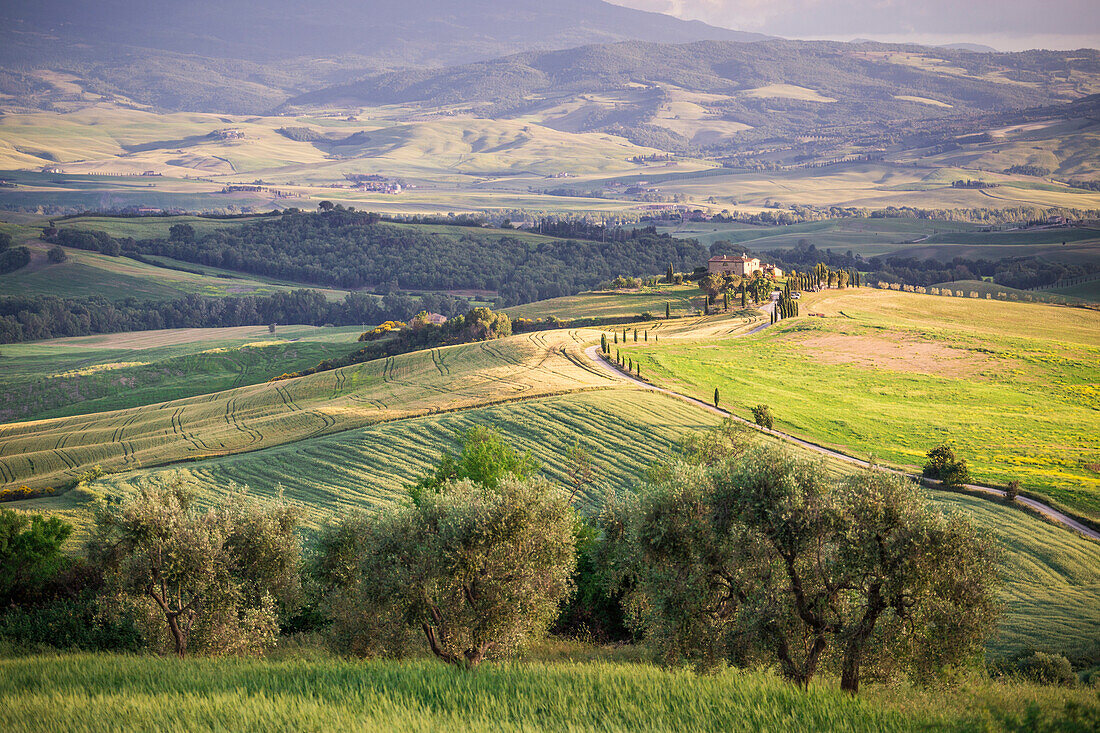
point(52, 452)
point(1086, 291)
point(86, 274)
point(868, 237)
point(84, 692)
point(919, 238)
point(88, 374)
point(1013, 385)
point(371, 467)
point(682, 300)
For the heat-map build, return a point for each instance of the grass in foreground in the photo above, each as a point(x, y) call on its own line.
point(106, 692)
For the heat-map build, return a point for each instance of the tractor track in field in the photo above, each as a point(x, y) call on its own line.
point(1045, 510)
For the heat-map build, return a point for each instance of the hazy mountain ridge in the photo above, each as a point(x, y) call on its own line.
point(704, 94)
point(245, 56)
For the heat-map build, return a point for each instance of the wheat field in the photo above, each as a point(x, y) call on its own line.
point(49, 453)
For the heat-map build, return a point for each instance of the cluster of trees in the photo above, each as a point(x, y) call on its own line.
point(348, 249)
point(29, 318)
point(12, 258)
point(480, 324)
point(731, 554)
point(91, 240)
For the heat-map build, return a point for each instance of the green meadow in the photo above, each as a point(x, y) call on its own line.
point(681, 300)
point(101, 373)
point(1015, 386)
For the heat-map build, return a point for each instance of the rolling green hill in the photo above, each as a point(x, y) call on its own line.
point(53, 452)
point(892, 374)
point(90, 374)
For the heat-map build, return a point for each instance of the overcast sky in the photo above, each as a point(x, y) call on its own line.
point(1007, 25)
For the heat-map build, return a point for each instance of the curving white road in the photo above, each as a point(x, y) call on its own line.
point(593, 353)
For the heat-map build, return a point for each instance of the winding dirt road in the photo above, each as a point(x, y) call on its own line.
point(592, 352)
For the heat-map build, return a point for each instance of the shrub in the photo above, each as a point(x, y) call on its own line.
point(13, 259)
point(762, 414)
point(56, 255)
point(1012, 491)
point(943, 466)
point(30, 554)
point(1047, 669)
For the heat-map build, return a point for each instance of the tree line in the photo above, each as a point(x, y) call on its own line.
point(30, 318)
point(349, 249)
point(1013, 272)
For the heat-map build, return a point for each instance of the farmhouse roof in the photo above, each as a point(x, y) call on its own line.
point(730, 258)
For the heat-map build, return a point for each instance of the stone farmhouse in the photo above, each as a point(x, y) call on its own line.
point(743, 266)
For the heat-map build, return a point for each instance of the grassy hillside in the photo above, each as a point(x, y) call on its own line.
point(371, 467)
point(1051, 578)
point(102, 373)
point(1013, 385)
point(1088, 291)
point(51, 452)
point(682, 300)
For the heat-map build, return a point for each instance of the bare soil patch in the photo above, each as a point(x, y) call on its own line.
point(899, 355)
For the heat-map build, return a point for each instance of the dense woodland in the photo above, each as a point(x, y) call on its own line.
point(32, 318)
point(349, 249)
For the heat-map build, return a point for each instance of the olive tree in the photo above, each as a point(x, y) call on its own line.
point(198, 579)
point(763, 557)
point(478, 571)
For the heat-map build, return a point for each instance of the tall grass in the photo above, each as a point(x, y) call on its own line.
point(108, 692)
point(102, 692)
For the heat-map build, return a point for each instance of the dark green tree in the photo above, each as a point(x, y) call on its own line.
point(30, 554)
point(943, 466)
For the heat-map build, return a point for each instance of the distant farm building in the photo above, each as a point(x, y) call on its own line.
point(744, 266)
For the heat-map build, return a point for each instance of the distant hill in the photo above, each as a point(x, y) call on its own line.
point(702, 94)
point(183, 55)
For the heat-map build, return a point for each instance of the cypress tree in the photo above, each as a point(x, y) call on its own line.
point(716, 397)
point(638, 369)
point(671, 274)
point(744, 297)
point(668, 310)
point(603, 342)
point(616, 337)
point(635, 335)
point(726, 300)
point(629, 365)
point(646, 336)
